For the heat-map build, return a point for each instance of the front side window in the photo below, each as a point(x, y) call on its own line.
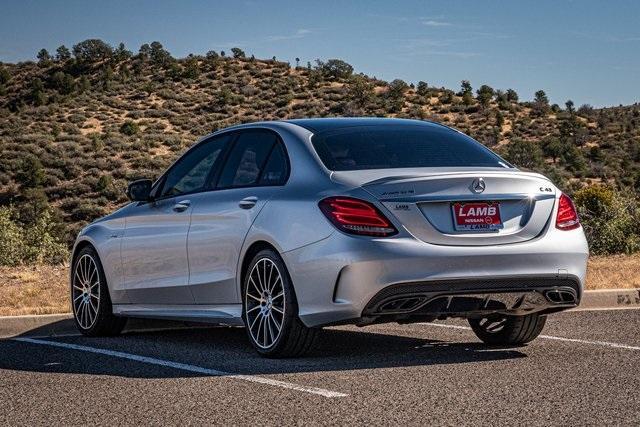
point(388, 147)
point(252, 161)
point(192, 172)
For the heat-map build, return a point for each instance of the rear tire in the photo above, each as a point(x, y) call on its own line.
point(90, 300)
point(508, 330)
point(270, 309)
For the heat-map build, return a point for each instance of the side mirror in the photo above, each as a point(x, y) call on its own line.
point(140, 190)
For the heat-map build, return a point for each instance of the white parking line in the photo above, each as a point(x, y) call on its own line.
point(551, 337)
point(185, 367)
point(600, 343)
point(126, 331)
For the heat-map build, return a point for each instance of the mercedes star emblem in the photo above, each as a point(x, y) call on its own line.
point(478, 185)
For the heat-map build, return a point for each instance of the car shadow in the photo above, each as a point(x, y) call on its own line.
point(227, 349)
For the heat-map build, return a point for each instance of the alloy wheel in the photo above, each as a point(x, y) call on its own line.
point(86, 291)
point(265, 303)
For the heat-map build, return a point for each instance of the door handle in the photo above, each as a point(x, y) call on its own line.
point(248, 202)
point(182, 205)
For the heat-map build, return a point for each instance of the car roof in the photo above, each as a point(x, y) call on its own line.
point(319, 125)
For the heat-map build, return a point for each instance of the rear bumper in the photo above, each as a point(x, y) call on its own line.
point(473, 298)
point(338, 279)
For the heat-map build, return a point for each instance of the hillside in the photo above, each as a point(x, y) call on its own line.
point(75, 128)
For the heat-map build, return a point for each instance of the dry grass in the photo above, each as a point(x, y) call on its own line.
point(33, 290)
point(614, 272)
point(44, 289)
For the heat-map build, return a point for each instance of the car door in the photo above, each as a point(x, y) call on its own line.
point(154, 246)
point(256, 168)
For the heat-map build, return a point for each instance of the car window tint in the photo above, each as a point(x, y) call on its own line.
point(247, 159)
point(276, 170)
point(387, 147)
point(190, 173)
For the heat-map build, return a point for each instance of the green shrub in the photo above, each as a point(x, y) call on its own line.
point(524, 154)
point(33, 244)
point(30, 173)
point(129, 128)
point(595, 199)
point(609, 220)
point(334, 69)
point(5, 76)
point(11, 238)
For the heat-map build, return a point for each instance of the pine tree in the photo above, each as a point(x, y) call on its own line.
point(63, 54)
point(44, 59)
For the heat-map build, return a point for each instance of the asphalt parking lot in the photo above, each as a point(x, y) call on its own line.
point(584, 370)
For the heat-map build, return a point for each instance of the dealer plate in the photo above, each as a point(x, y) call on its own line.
point(476, 216)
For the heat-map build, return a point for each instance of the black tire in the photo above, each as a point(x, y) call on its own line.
point(508, 330)
point(294, 338)
point(104, 323)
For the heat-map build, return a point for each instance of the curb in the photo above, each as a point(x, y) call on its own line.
point(57, 325)
point(44, 324)
point(610, 299)
point(51, 325)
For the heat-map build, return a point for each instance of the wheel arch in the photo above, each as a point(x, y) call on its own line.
point(78, 247)
point(82, 243)
point(249, 253)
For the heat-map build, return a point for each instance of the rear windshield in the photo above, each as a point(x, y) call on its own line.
point(389, 147)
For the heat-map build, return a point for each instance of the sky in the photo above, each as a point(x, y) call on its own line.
point(587, 51)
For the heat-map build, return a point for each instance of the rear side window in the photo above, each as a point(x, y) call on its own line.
point(276, 170)
point(257, 158)
point(388, 147)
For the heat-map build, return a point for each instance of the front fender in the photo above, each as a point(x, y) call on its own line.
point(106, 238)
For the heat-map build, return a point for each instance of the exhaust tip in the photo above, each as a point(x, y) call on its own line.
point(401, 305)
point(557, 296)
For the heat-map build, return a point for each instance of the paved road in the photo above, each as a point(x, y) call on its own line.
point(585, 370)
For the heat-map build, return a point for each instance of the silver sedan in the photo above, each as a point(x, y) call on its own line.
point(288, 226)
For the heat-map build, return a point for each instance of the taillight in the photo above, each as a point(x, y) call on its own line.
point(567, 217)
point(356, 216)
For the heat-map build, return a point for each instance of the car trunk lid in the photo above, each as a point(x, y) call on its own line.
point(434, 205)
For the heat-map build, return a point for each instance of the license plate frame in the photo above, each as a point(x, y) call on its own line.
point(477, 217)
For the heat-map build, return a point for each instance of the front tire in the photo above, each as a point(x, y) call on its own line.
point(90, 300)
point(508, 330)
point(270, 309)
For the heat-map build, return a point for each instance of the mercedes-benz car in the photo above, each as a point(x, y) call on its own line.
point(288, 226)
